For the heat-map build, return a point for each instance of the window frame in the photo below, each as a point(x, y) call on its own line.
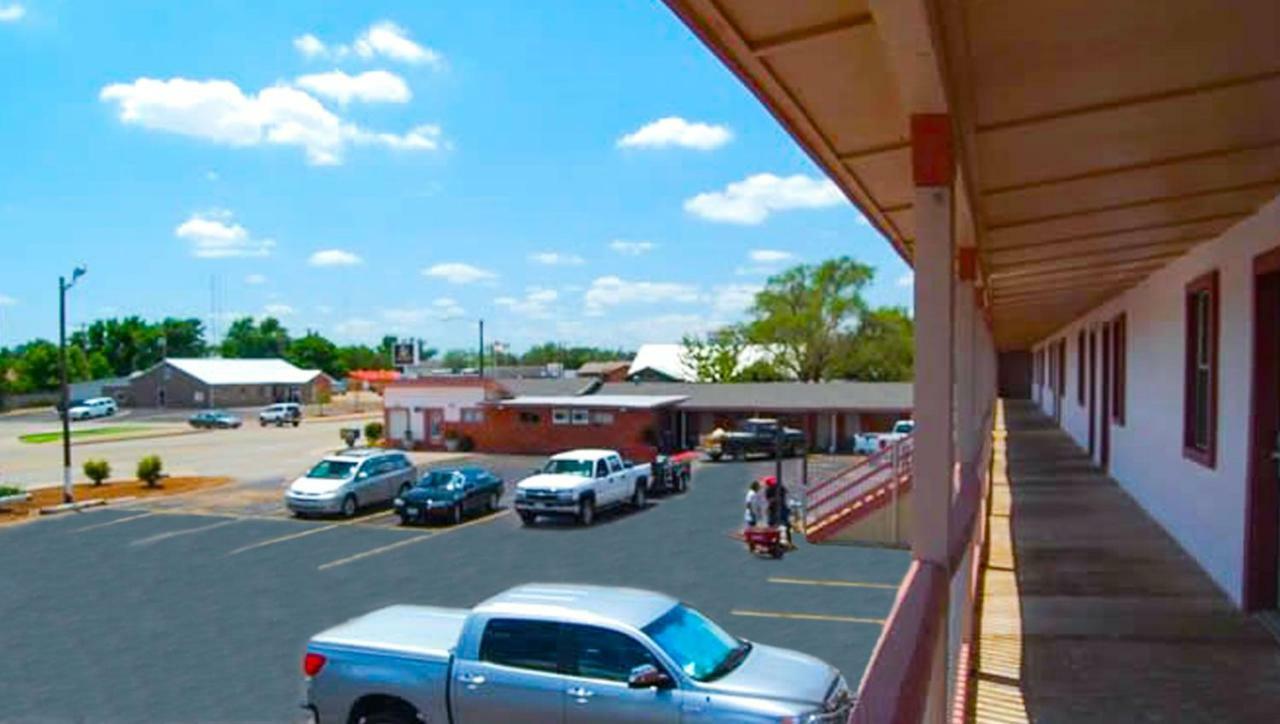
point(1194, 344)
point(1118, 359)
point(580, 416)
point(558, 652)
point(571, 635)
point(471, 415)
point(1080, 368)
point(560, 416)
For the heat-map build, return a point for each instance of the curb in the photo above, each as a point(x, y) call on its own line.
point(82, 504)
point(142, 436)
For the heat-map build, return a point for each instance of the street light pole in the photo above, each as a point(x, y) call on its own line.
point(68, 494)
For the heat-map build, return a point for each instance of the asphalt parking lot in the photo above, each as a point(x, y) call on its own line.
point(177, 612)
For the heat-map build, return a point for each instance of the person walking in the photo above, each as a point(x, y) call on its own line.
point(757, 512)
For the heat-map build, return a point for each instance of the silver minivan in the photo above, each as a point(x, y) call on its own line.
point(349, 480)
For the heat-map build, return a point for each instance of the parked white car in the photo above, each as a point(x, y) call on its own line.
point(93, 407)
point(280, 414)
point(869, 443)
point(580, 482)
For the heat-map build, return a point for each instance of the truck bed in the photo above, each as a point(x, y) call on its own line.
point(424, 631)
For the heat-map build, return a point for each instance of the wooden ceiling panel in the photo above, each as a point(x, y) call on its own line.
point(1160, 215)
point(887, 174)
point(1031, 58)
point(1195, 231)
point(760, 20)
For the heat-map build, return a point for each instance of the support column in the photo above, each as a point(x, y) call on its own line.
point(966, 369)
point(933, 168)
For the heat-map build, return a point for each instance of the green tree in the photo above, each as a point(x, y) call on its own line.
point(805, 311)
point(571, 357)
point(715, 358)
point(313, 351)
point(182, 338)
point(248, 339)
point(363, 357)
point(37, 367)
point(459, 359)
point(882, 349)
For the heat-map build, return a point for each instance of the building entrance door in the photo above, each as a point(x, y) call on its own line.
point(435, 426)
point(1262, 536)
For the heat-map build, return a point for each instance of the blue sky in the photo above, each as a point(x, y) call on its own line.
point(407, 168)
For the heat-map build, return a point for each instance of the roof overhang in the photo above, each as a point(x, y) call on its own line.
point(1096, 140)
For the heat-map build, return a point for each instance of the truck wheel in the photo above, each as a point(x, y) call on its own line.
point(527, 518)
point(262, 423)
point(587, 512)
point(493, 502)
point(637, 497)
point(296, 423)
point(349, 506)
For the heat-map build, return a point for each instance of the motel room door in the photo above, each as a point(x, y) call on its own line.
point(1107, 351)
point(1262, 535)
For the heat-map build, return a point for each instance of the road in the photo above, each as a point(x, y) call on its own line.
point(161, 614)
point(250, 453)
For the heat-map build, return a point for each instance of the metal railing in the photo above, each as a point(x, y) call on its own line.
point(858, 490)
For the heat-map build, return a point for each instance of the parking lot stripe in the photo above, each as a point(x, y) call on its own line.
point(373, 552)
point(185, 531)
point(838, 584)
point(283, 538)
point(477, 521)
point(808, 617)
point(125, 519)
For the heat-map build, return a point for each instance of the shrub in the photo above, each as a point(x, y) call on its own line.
point(97, 470)
point(150, 470)
point(466, 444)
point(7, 490)
point(373, 432)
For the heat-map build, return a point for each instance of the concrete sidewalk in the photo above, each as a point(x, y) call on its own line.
point(1091, 612)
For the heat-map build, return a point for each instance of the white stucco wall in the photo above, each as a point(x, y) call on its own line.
point(451, 399)
point(1204, 509)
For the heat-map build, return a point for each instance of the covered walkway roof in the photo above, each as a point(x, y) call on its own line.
point(1096, 140)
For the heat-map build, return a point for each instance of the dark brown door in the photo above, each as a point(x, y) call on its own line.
point(1089, 387)
point(1104, 395)
point(1262, 534)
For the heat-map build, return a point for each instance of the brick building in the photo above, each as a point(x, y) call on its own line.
point(213, 382)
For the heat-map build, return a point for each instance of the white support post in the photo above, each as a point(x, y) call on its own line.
point(966, 370)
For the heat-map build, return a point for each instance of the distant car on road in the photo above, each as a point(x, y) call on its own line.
point(91, 408)
point(210, 419)
point(561, 653)
point(281, 414)
point(756, 435)
point(349, 480)
point(450, 493)
point(580, 482)
point(869, 443)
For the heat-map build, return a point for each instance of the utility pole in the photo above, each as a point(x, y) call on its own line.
point(482, 349)
point(68, 493)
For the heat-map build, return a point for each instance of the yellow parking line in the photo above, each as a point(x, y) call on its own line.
point(839, 584)
point(809, 617)
point(126, 519)
point(477, 521)
point(373, 552)
point(184, 531)
point(283, 538)
point(364, 518)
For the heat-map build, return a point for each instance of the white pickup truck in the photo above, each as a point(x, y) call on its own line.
point(580, 482)
point(870, 443)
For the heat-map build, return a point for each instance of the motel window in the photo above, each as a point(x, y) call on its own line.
point(1117, 369)
point(581, 417)
point(472, 414)
point(559, 417)
point(602, 418)
point(530, 418)
point(1080, 367)
point(1200, 406)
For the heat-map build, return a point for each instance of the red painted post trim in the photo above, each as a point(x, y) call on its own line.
point(1260, 588)
point(1208, 455)
point(932, 157)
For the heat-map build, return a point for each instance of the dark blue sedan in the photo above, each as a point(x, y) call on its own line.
point(214, 418)
point(450, 494)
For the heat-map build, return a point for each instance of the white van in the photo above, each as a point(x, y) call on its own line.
point(93, 407)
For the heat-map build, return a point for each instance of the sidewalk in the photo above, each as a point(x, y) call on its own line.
point(1091, 612)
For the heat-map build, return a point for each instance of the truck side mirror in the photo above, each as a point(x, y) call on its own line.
point(648, 676)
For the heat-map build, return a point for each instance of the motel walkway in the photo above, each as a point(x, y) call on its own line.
point(1090, 612)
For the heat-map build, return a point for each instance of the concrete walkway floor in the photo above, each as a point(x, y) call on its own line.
point(1090, 612)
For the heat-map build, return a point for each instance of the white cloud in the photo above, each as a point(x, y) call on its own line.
point(7, 301)
point(383, 39)
point(631, 248)
point(11, 13)
point(751, 200)
point(255, 279)
point(770, 256)
point(556, 258)
point(403, 318)
point(278, 310)
point(334, 257)
point(309, 45)
point(534, 304)
point(907, 280)
point(220, 112)
point(356, 327)
point(211, 175)
point(733, 299)
point(611, 291)
point(456, 272)
point(667, 328)
point(324, 309)
point(676, 131)
point(216, 235)
point(373, 86)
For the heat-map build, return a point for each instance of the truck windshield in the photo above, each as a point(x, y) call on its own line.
point(701, 649)
point(581, 468)
point(332, 470)
point(903, 427)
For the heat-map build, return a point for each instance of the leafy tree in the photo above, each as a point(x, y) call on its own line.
point(459, 359)
point(315, 352)
point(363, 357)
point(37, 366)
point(248, 339)
point(882, 349)
point(760, 371)
point(373, 432)
point(805, 311)
point(571, 357)
point(715, 358)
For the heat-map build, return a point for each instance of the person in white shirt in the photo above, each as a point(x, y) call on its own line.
point(756, 511)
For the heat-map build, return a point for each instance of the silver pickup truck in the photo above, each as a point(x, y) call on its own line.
point(560, 653)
